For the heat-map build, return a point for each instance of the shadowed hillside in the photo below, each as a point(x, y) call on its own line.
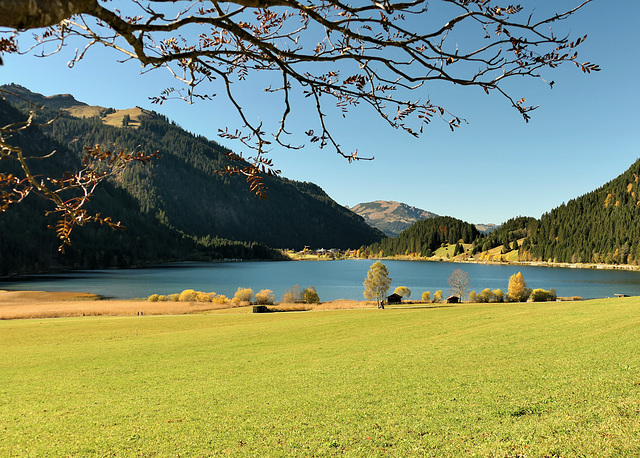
point(180, 196)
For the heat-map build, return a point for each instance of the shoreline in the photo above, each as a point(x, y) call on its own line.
point(564, 265)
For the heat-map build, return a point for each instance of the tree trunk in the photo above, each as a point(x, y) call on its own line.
point(33, 14)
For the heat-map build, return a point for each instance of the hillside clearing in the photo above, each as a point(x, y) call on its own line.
point(110, 119)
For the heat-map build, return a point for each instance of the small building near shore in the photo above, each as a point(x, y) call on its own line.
point(394, 299)
point(453, 300)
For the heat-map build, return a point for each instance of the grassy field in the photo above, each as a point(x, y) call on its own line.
point(531, 379)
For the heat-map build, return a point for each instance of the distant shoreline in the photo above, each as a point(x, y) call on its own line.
point(565, 265)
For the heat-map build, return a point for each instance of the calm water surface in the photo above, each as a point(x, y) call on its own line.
point(332, 279)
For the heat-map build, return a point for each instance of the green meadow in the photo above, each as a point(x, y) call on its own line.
point(531, 379)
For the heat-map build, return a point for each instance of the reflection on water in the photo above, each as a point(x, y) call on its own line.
point(332, 279)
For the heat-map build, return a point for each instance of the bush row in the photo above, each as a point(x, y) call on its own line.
point(243, 296)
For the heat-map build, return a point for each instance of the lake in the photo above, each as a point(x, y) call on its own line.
point(332, 279)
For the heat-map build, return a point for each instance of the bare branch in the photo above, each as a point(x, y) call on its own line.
point(378, 53)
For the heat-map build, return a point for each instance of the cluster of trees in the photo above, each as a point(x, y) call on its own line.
point(507, 236)
point(437, 296)
point(517, 292)
point(377, 284)
point(487, 295)
point(602, 226)
point(295, 295)
point(29, 246)
point(190, 295)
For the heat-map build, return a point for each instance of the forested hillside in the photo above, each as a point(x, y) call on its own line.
point(178, 206)
point(509, 232)
point(184, 191)
point(424, 237)
point(28, 245)
point(602, 226)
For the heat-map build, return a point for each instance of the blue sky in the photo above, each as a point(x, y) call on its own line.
point(585, 133)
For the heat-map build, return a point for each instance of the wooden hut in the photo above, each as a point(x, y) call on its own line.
point(453, 300)
point(394, 299)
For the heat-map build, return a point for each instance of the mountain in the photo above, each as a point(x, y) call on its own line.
point(390, 217)
point(182, 193)
point(487, 228)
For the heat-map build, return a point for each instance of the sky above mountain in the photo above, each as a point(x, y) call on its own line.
point(585, 133)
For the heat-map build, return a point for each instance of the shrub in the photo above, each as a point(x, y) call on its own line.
point(311, 296)
point(539, 295)
point(265, 296)
point(473, 296)
point(485, 295)
point(498, 295)
point(162, 298)
point(243, 295)
point(203, 297)
point(173, 297)
point(437, 297)
point(188, 295)
point(426, 296)
point(293, 295)
point(219, 299)
point(552, 294)
point(153, 298)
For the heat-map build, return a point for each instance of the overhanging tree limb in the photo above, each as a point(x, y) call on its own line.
point(380, 53)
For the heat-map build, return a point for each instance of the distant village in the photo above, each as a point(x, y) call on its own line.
point(321, 253)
